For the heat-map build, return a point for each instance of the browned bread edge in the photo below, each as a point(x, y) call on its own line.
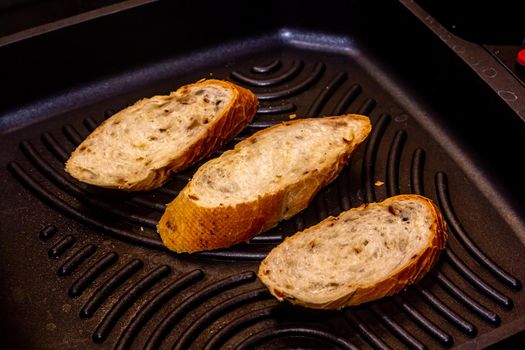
point(188, 227)
point(235, 117)
point(408, 274)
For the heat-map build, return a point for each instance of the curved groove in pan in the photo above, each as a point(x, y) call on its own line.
point(129, 236)
point(153, 305)
point(109, 286)
point(126, 300)
point(208, 317)
point(61, 246)
point(280, 108)
point(108, 113)
point(447, 313)
point(231, 254)
point(393, 161)
point(47, 232)
point(311, 79)
point(90, 124)
point(320, 206)
point(75, 260)
point(72, 135)
point(463, 237)
point(267, 238)
point(366, 333)
point(52, 145)
point(417, 167)
point(347, 99)
point(288, 74)
point(476, 281)
point(263, 124)
point(325, 94)
point(83, 281)
point(425, 324)
point(367, 107)
point(342, 187)
point(267, 68)
point(397, 330)
point(289, 331)
point(64, 207)
point(169, 191)
point(467, 301)
point(64, 184)
point(299, 221)
point(372, 146)
point(168, 322)
point(239, 323)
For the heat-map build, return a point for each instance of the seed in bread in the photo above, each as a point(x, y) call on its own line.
point(138, 147)
point(266, 178)
point(363, 254)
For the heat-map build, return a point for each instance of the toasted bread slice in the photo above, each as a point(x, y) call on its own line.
point(363, 254)
point(266, 178)
point(138, 147)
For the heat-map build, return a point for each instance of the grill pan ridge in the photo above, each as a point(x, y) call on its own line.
point(83, 267)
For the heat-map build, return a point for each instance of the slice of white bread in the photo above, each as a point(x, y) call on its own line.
point(363, 254)
point(266, 178)
point(138, 147)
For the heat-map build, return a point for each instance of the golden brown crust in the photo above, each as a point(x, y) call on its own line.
point(236, 116)
point(408, 274)
point(187, 226)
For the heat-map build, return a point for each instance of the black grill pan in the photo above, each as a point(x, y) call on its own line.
point(83, 268)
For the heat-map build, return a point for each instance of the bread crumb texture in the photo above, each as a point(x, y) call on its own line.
point(274, 159)
point(153, 136)
point(269, 177)
point(377, 248)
